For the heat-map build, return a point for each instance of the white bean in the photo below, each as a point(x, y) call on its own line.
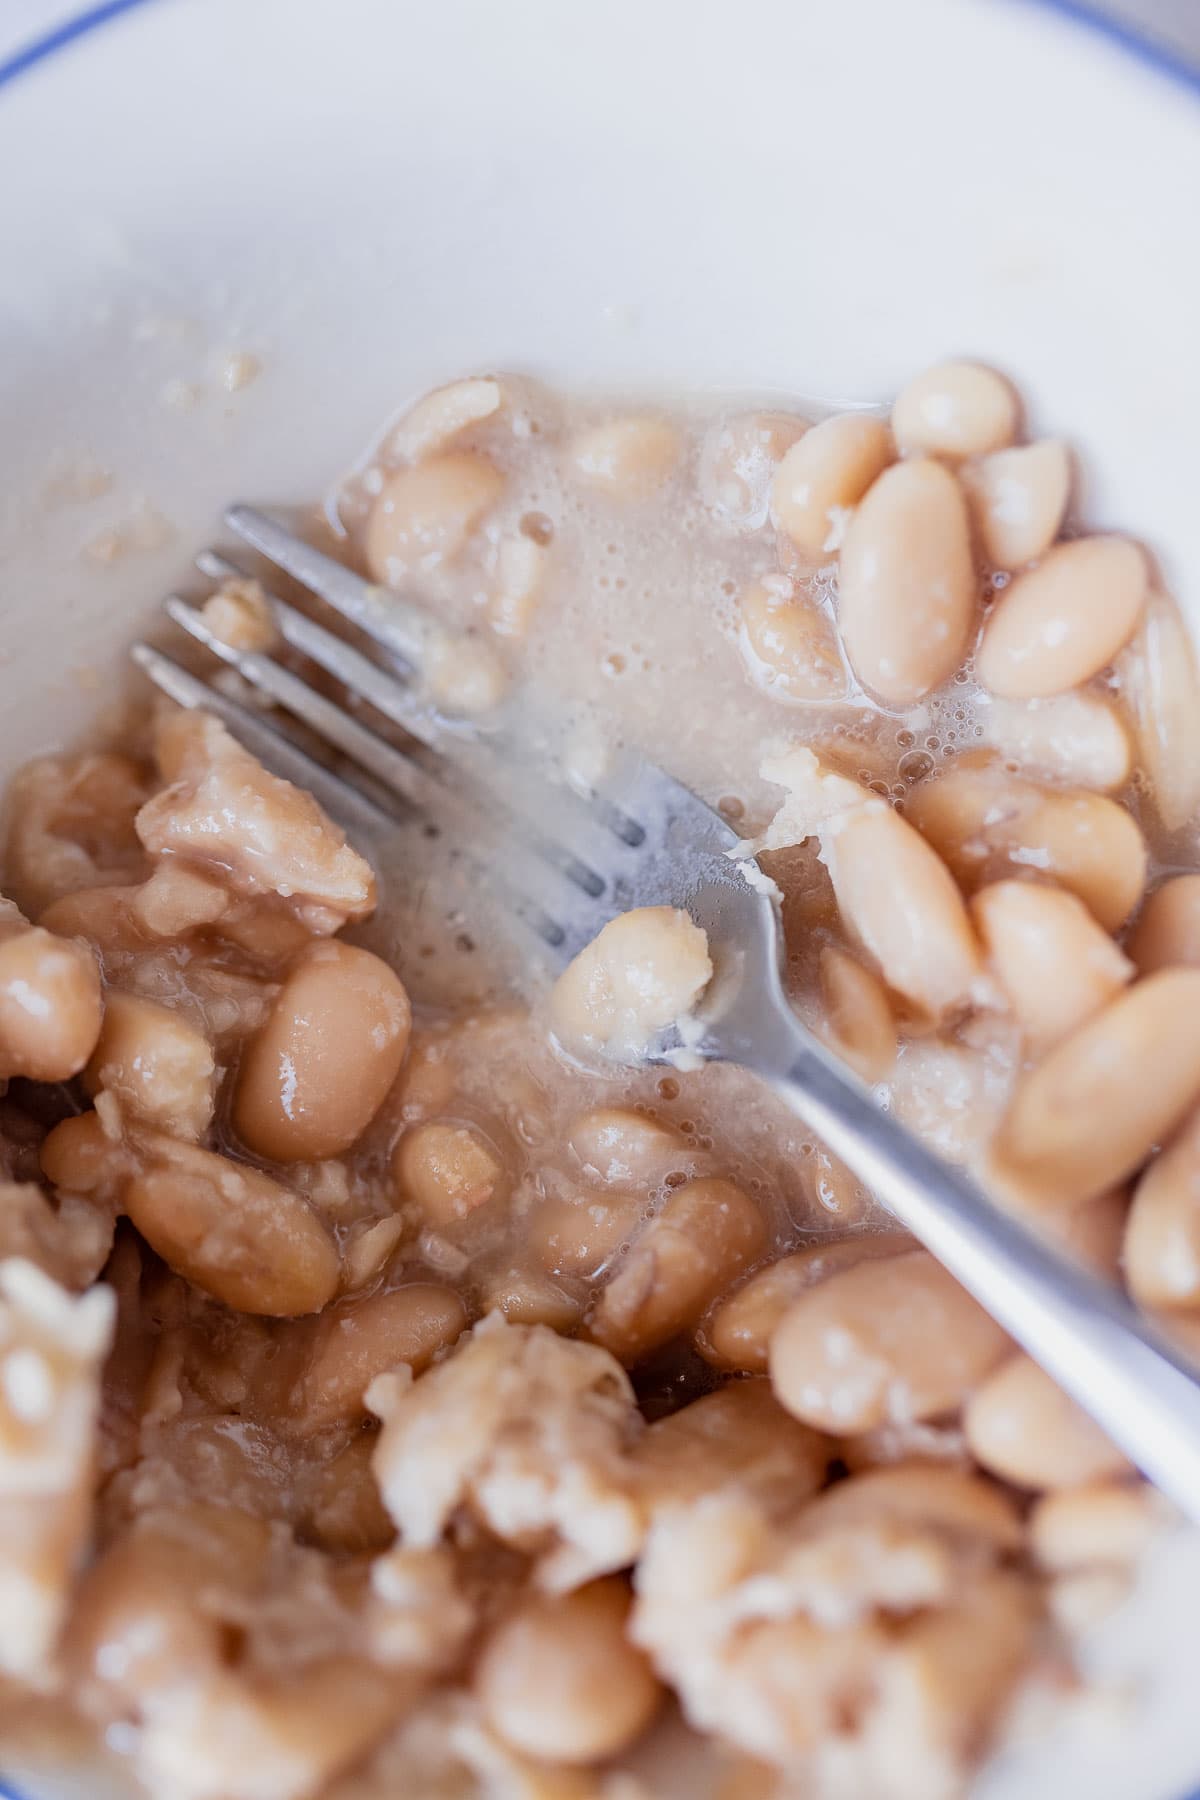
point(955, 409)
point(1017, 499)
point(1062, 622)
point(907, 582)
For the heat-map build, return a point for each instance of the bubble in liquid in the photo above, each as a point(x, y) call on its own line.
point(668, 1088)
point(537, 526)
point(905, 740)
point(613, 664)
point(731, 808)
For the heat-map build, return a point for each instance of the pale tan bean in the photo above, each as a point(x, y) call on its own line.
point(1091, 1112)
point(528, 1296)
point(1161, 681)
point(314, 1077)
point(1059, 624)
point(353, 1342)
point(448, 1170)
point(736, 1333)
point(50, 1003)
point(738, 460)
point(738, 1434)
point(160, 1067)
point(251, 1243)
point(788, 644)
point(1021, 1426)
point(136, 1626)
point(988, 824)
point(79, 1157)
point(628, 459)
point(644, 971)
point(1162, 1237)
point(580, 1235)
point(1081, 1600)
point(517, 588)
point(897, 899)
point(824, 476)
point(560, 1680)
point(892, 1339)
point(444, 414)
point(858, 1014)
point(1167, 932)
point(956, 409)
point(1079, 738)
point(955, 1502)
point(907, 583)
point(706, 1234)
point(337, 1503)
point(622, 1148)
point(423, 516)
point(1017, 499)
point(1101, 1523)
point(1055, 964)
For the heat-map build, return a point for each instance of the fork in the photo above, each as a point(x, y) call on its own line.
point(564, 858)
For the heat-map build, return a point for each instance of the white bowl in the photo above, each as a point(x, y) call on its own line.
point(765, 194)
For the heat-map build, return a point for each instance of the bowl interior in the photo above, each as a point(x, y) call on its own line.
point(367, 198)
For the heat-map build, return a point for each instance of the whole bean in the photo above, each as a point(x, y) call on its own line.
point(1161, 681)
point(1062, 622)
point(955, 1502)
point(50, 1003)
point(423, 515)
point(1055, 964)
point(314, 1077)
point(251, 1243)
point(1102, 1523)
point(1021, 1426)
point(160, 1067)
point(899, 901)
point(1167, 932)
point(1079, 738)
point(858, 1014)
point(580, 1235)
point(848, 1354)
point(955, 409)
point(706, 1234)
point(1017, 499)
point(737, 1332)
point(826, 474)
point(988, 824)
point(907, 583)
point(1091, 1112)
point(349, 1344)
point(447, 1169)
point(628, 459)
point(623, 1148)
point(559, 1679)
point(788, 644)
point(1162, 1237)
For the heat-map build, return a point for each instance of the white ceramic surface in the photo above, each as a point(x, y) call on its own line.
point(810, 195)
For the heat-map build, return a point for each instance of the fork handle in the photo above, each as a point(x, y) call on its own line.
point(1083, 1332)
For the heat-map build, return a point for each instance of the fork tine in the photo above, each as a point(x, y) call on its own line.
point(356, 810)
point(396, 772)
point(429, 787)
point(397, 625)
point(274, 750)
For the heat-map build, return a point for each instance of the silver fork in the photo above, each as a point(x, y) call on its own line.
point(566, 860)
